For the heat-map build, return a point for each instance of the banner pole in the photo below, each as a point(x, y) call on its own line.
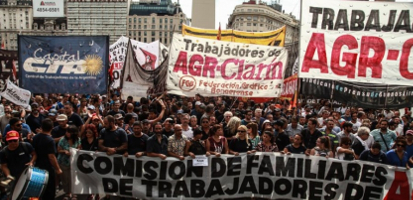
point(385, 100)
point(332, 94)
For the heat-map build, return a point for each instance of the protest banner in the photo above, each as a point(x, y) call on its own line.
point(136, 81)
point(147, 54)
point(76, 64)
point(216, 68)
point(289, 87)
point(356, 41)
point(8, 69)
point(16, 95)
point(259, 175)
point(271, 38)
point(359, 94)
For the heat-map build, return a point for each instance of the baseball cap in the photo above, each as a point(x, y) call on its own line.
point(91, 107)
point(52, 112)
point(61, 117)
point(409, 132)
point(12, 135)
point(198, 103)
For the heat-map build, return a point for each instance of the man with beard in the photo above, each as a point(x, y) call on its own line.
point(16, 125)
point(116, 109)
point(177, 143)
point(34, 120)
point(157, 145)
point(248, 117)
point(72, 117)
point(293, 128)
point(59, 131)
point(282, 139)
point(384, 136)
point(45, 149)
point(347, 132)
point(112, 140)
point(310, 135)
point(168, 124)
point(328, 131)
point(136, 141)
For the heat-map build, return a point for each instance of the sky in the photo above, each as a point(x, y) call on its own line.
point(224, 8)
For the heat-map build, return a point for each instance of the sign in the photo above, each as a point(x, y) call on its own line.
point(359, 94)
point(76, 64)
point(200, 161)
point(7, 59)
point(139, 82)
point(357, 41)
point(16, 95)
point(289, 87)
point(271, 38)
point(48, 8)
point(259, 175)
point(216, 68)
point(148, 55)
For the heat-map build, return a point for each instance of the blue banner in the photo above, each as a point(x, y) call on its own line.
point(64, 64)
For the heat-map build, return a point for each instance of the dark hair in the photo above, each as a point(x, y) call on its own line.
point(74, 133)
point(254, 128)
point(347, 124)
point(345, 140)
point(301, 137)
point(313, 121)
point(13, 120)
point(47, 125)
point(376, 145)
point(137, 124)
point(269, 133)
point(110, 119)
point(68, 104)
point(214, 129)
point(128, 117)
point(91, 127)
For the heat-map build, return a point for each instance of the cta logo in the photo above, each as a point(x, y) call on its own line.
point(187, 83)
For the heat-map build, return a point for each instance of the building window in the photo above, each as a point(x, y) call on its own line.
point(249, 10)
point(153, 26)
point(166, 27)
point(144, 33)
point(166, 20)
point(254, 24)
point(139, 26)
point(130, 20)
point(153, 33)
point(134, 20)
point(153, 20)
point(255, 18)
point(139, 34)
point(144, 40)
point(144, 26)
point(153, 39)
point(134, 26)
point(160, 34)
point(261, 25)
point(248, 24)
point(171, 21)
point(248, 18)
point(145, 20)
point(160, 26)
point(139, 20)
point(160, 21)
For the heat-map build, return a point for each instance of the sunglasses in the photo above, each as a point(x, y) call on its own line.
point(12, 141)
point(400, 145)
point(241, 131)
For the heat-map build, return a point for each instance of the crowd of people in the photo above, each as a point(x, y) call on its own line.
point(173, 126)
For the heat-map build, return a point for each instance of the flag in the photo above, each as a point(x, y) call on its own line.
point(219, 32)
point(150, 60)
point(14, 71)
point(112, 67)
point(3, 46)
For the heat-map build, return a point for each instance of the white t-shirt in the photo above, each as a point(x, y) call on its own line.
point(188, 133)
point(340, 156)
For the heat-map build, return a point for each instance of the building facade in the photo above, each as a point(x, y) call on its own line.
point(253, 17)
point(153, 20)
point(203, 14)
point(97, 17)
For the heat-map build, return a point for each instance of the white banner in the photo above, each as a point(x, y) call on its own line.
point(357, 41)
point(148, 55)
point(216, 68)
point(48, 8)
point(261, 175)
point(16, 95)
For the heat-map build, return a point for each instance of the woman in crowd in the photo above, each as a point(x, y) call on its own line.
point(82, 109)
point(344, 152)
point(70, 140)
point(241, 143)
point(129, 120)
point(265, 125)
point(253, 134)
point(268, 143)
point(89, 140)
point(232, 127)
point(193, 122)
point(296, 147)
point(398, 156)
point(197, 146)
point(217, 144)
point(322, 148)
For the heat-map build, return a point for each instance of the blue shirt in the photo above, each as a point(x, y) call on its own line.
point(7, 129)
point(393, 158)
point(389, 138)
